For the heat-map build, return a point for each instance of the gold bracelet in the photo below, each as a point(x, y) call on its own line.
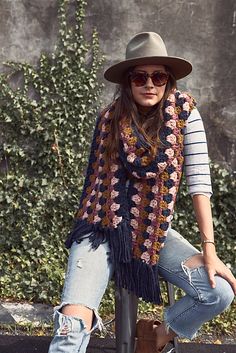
point(208, 241)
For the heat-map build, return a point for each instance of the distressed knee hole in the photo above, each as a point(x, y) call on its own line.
point(88, 317)
point(67, 325)
point(194, 261)
point(79, 311)
point(191, 264)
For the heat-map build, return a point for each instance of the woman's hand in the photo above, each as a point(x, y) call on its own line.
point(215, 266)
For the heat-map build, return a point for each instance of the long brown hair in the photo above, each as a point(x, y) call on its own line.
point(125, 106)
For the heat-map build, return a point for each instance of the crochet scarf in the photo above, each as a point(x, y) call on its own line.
point(134, 218)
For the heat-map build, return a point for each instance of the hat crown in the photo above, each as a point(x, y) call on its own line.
point(147, 48)
point(145, 44)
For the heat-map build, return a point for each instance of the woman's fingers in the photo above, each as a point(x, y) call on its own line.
point(211, 274)
point(223, 272)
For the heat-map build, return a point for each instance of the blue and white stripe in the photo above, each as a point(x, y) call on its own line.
point(196, 164)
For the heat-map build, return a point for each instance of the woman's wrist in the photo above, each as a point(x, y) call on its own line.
point(208, 241)
point(208, 247)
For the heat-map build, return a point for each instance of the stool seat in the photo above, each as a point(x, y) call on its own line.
point(126, 309)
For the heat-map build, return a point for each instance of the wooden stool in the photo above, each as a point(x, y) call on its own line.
point(126, 308)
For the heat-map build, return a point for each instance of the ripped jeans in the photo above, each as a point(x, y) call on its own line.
point(89, 272)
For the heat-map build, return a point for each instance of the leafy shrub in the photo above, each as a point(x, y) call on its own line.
point(46, 125)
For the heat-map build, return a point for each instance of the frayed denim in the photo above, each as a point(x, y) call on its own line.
point(89, 272)
point(87, 277)
point(70, 335)
point(201, 302)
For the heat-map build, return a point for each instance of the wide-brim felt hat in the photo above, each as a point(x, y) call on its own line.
point(147, 48)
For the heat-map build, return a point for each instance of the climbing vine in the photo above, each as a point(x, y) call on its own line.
point(45, 131)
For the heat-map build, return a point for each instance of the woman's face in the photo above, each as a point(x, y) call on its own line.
point(148, 95)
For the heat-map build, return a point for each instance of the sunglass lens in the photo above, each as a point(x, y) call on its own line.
point(139, 79)
point(159, 78)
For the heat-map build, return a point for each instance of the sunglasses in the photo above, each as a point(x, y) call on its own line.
point(159, 78)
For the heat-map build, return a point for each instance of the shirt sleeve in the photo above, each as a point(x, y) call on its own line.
point(196, 159)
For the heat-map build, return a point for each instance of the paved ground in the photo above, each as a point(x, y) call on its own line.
point(13, 313)
point(28, 344)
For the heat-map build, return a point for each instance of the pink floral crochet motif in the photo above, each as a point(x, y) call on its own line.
point(134, 218)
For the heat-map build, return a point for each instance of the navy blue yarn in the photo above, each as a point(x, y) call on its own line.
point(130, 273)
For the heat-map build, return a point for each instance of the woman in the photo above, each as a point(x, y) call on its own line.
point(122, 227)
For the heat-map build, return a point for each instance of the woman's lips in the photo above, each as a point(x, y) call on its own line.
point(149, 94)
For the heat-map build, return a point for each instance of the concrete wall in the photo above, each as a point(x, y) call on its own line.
point(203, 31)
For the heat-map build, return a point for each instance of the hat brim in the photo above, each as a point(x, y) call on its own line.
point(178, 66)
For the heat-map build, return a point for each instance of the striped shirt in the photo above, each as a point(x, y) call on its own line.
point(196, 160)
point(196, 164)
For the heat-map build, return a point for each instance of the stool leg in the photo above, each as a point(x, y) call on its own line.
point(171, 301)
point(126, 305)
point(170, 293)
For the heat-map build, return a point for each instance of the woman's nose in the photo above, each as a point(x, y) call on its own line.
point(149, 83)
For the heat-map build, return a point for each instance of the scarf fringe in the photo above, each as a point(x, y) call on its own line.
point(140, 278)
point(132, 274)
point(119, 238)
